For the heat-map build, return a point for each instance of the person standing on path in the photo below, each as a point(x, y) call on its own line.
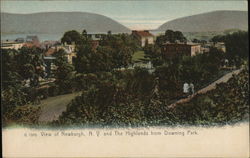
point(191, 88)
point(185, 89)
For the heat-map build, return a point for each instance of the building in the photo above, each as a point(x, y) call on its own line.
point(180, 49)
point(11, 45)
point(49, 57)
point(32, 41)
point(143, 37)
point(220, 46)
point(49, 44)
point(70, 51)
point(49, 65)
point(96, 36)
point(95, 39)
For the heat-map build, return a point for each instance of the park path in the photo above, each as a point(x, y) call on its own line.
point(210, 87)
point(52, 107)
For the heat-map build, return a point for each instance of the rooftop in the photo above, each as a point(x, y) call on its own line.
point(10, 42)
point(188, 44)
point(144, 33)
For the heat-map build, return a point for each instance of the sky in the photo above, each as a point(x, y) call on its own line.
point(133, 14)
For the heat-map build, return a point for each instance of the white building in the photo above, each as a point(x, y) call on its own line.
point(11, 45)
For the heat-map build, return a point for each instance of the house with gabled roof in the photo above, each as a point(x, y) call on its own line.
point(144, 37)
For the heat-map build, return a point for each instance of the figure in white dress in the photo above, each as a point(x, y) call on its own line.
point(185, 88)
point(191, 88)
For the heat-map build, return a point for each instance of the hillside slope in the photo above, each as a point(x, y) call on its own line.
point(58, 22)
point(211, 21)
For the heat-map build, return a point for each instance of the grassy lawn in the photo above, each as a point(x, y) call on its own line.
point(138, 56)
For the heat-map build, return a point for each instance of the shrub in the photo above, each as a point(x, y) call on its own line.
point(22, 115)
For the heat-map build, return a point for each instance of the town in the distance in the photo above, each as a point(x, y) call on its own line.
point(169, 49)
point(126, 79)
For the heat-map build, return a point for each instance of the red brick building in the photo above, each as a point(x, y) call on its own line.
point(180, 49)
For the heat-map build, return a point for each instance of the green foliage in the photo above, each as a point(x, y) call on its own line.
point(173, 73)
point(237, 46)
point(153, 52)
point(228, 103)
point(9, 67)
point(25, 64)
point(22, 115)
point(122, 47)
point(114, 51)
point(12, 97)
point(71, 37)
point(64, 72)
point(111, 104)
point(170, 36)
point(127, 97)
point(17, 67)
point(53, 90)
point(30, 64)
point(139, 82)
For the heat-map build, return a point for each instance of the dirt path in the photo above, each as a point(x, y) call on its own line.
point(210, 87)
point(53, 107)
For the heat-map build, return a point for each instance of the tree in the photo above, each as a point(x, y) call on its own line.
point(82, 60)
point(237, 47)
point(30, 64)
point(64, 72)
point(71, 37)
point(84, 36)
point(160, 40)
point(179, 36)
point(17, 66)
point(9, 67)
point(84, 33)
point(170, 36)
point(154, 53)
point(218, 38)
point(109, 33)
point(195, 40)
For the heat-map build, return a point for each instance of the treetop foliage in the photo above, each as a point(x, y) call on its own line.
point(170, 36)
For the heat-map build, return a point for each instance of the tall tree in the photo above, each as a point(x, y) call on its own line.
point(71, 37)
point(64, 71)
point(9, 67)
point(170, 36)
point(84, 35)
point(31, 64)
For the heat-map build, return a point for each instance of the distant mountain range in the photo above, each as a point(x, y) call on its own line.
point(211, 21)
point(58, 22)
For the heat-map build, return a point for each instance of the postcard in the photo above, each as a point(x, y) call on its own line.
point(135, 78)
